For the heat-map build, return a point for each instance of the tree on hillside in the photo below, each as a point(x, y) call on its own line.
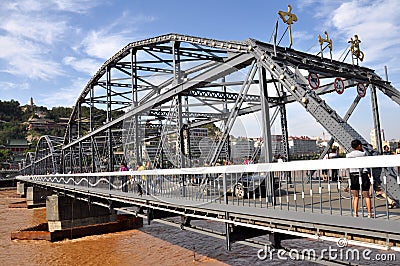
point(59, 112)
point(10, 111)
point(6, 156)
point(212, 129)
point(12, 130)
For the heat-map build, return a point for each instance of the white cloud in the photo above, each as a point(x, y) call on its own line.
point(26, 59)
point(375, 23)
point(23, 5)
point(111, 38)
point(38, 29)
point(103, 45)
point(301, 36)
point(76, 6)
point(64, 96)
point(8, 86)
point(86, 65)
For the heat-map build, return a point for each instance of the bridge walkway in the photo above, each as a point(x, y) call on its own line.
point(318, 209)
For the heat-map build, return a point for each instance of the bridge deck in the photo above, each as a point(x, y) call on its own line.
point(312, 209)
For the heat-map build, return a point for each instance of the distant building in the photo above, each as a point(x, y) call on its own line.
point(197, 145)
point(373, 138)
point(17, 145)
point(277, 145)
point(241, 148)
point(18, 148)
point(302, 146)
point(47, 124)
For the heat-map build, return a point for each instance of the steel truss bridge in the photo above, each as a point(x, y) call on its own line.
point(156, 92)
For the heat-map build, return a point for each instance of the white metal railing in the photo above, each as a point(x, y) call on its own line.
point(267, 185)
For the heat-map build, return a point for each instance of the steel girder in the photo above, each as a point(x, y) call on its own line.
point(47, 156)
point(290, 77)
point(140, 82)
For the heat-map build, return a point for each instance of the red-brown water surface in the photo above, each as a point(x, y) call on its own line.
point(132, 247)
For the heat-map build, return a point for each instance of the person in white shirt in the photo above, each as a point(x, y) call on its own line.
point(355, 179)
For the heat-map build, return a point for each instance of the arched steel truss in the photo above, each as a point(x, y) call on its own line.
point(161, 88)
point(47, 157)
point(157, 91)
point(28, 163)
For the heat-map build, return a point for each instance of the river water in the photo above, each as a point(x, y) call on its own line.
point(155, 244)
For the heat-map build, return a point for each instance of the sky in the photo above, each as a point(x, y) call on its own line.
point(50, 49)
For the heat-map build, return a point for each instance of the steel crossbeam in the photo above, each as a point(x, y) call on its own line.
point(201, 79)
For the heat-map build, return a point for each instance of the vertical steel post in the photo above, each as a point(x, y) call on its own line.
point(92, 140)
point(181, 141)
point(225, 110)
point(62, 156)
point(70, 149)
point(266, 127)
point(135, 124)
point(187, 128)
point(109, 118)
point(377, 124)
point(266, 132)
point(284, 127)
point(227, 232)
point(179, 119)
point(79, 135)
point(386, 74)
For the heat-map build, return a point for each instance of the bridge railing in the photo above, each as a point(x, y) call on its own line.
point(305, 186)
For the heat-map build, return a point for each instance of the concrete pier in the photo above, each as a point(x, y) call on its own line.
point(65, 212)
point(36, 197)
point(21, 189)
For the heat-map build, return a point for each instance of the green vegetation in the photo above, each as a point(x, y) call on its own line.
point(14, 124)
point(6, 156)
point(15, 120)
point(11, 118)
point(213, 130)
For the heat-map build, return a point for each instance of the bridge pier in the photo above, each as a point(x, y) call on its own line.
point(36, 197)
point(21, 189)
point(158, 214)
point(64, 212)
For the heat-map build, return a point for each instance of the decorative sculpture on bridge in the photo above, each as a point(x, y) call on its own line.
point(321, 42)
point(288, 18)
point(355, 48)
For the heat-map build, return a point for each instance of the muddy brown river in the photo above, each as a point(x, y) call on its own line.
point(155, 244)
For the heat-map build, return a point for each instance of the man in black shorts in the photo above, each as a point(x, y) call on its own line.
point(355, 179)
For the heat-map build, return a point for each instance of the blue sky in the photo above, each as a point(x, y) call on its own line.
point(50, 49)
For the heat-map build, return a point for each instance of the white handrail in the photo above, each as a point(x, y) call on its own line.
point(341, 163)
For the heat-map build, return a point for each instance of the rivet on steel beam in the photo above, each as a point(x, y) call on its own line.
point(293, 88)
point(282, 77)
point(272, 66)
point(304, 100)
point(213, 43)
point(229, 46)
point(250, 48)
